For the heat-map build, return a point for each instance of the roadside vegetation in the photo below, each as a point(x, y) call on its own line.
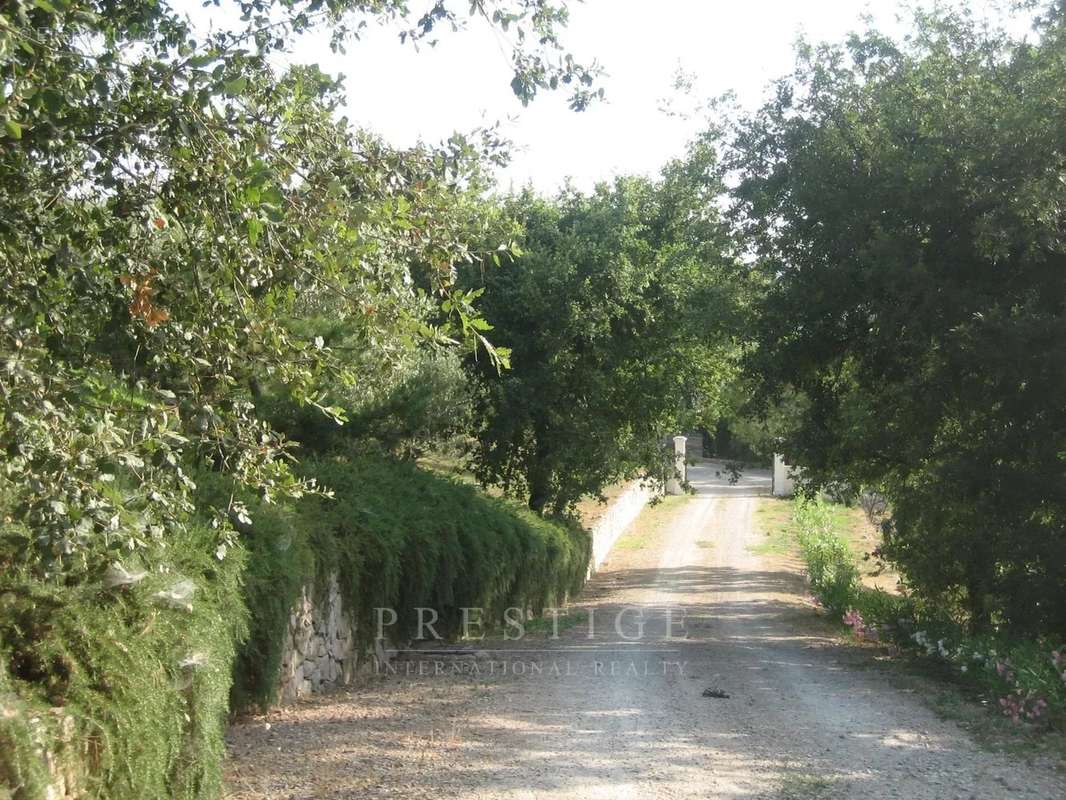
point(232, 322)
point(1024, 679)
point(915, 300)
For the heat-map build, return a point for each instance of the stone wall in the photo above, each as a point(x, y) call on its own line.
point(319, 646)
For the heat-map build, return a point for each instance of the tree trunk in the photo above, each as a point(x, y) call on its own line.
point(539, 489)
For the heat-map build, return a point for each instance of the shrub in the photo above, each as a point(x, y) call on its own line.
point(139, 664)
point(1025, 678)
point(146, 662)
point(925, 371)
point(831, 566)
point(399, 537)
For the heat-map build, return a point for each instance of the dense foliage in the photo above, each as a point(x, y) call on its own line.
point(123, 680)
point(208, 273)
point(397, 537)
point(191, 243)
point(906, 203)
point(170, 207)
point(1024, 679)
point(619, 316)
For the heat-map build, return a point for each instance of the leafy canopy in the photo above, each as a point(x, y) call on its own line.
point(906, 203)
point(173, 214)
point(618, 316)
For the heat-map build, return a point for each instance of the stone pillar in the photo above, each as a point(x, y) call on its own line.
point(675, 481)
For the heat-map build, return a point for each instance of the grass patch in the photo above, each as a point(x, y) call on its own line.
point(774, 524)
point(449, 465)
point(651, 522)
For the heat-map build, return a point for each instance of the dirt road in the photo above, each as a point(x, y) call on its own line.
point(608, 714)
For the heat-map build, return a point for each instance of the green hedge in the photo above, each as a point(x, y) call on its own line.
point(148, 675)
point(141, 670)
point(398, 537)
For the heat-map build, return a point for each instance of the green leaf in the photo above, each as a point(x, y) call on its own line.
point(14, 130)
point(255, 227)
point(53, 100)
point(235, 86)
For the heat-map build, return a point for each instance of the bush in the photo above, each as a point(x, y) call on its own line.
point(399, 537)
point(1025, 678)
point(830, 563)
point(124, 679)
point(925, 372)
point(145, 663)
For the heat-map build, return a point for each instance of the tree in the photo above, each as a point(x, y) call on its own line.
point(617, 314)
point(173, 218)
point(189, 240)
point(906, 203)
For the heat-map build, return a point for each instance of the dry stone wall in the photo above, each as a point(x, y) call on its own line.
point(319, 648)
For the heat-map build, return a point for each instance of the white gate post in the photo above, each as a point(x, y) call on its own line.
point(674, 482)
point(783, 482)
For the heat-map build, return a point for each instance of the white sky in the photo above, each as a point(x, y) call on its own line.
point(464, 82)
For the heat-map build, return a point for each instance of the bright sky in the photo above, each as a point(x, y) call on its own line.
point(738, 45)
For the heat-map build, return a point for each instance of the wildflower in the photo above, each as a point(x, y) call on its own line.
point(1011, 707)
